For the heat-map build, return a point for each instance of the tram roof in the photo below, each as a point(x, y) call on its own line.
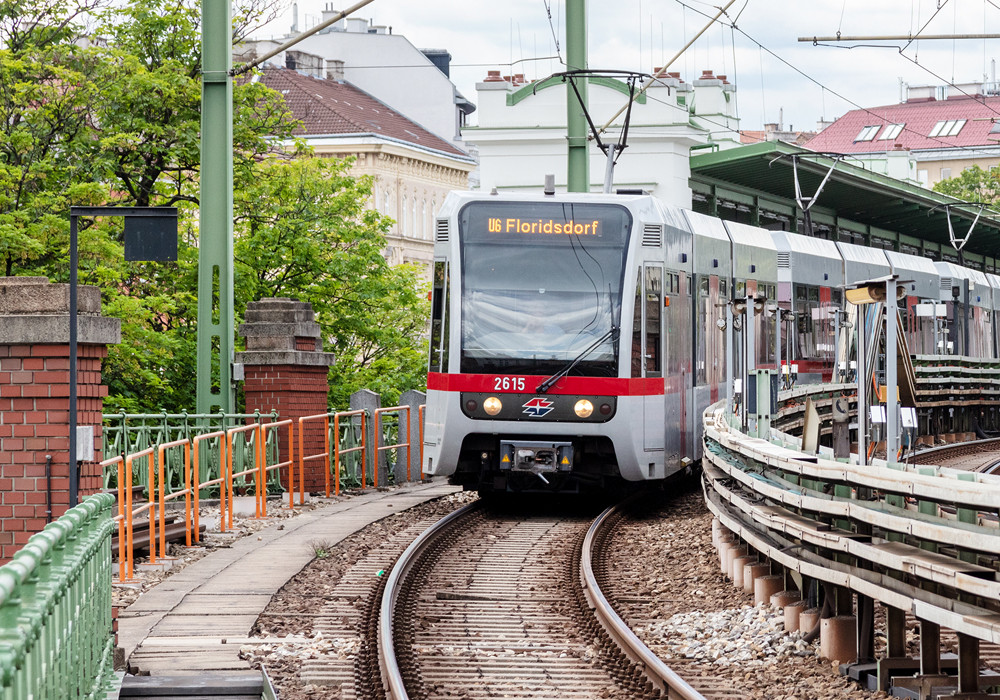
point(765, 170)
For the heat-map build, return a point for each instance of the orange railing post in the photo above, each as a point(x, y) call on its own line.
point(337, 452)
point(151, 497)
point(278, 466)
point(197, 485)
point(420, 426)
point(128, 514)
point(379, 447)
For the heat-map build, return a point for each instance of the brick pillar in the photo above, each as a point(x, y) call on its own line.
point(34, 400)
point(285, 370)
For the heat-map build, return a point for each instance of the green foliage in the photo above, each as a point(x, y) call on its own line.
point(972, 185)
point(302, 231)
point(119, 123)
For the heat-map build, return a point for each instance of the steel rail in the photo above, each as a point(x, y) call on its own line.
point(657, 671)
point(392, 679)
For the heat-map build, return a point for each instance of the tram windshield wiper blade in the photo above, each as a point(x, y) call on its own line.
point(612, 335)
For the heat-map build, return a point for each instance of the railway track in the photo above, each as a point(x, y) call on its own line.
point(501, 604)
point(977, 456)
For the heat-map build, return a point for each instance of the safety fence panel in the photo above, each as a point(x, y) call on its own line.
point(917, 538)
point(125, 434)
point(239, 459)
point(56, 636)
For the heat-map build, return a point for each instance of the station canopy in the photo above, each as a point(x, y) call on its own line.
point(758, 180)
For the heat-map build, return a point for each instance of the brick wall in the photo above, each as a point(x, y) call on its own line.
point(34, 402)
point(34, 423)
point(293, 392)
point(286, 371)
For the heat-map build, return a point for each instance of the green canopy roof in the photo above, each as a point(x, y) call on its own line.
point(851, 193)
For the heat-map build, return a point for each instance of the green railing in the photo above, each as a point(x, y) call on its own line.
point(55, 609)
point(130, 433)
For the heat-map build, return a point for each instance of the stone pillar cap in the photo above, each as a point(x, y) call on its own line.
point(33, 296)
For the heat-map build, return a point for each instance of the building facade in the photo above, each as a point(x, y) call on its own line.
point(413, 169)
point(521, 136)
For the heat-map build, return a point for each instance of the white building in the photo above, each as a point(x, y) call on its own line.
point(385, 65)
point(521, 135)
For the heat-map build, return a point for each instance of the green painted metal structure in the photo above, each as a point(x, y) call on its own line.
point(216, 321)
point(578, 161)
point(55, 609)
point(754, 184)
point(130, 433)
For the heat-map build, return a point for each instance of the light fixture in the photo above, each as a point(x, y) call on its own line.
point(583, 408)
point(492, 405)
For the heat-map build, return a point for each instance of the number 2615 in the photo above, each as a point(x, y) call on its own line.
point(508, 384)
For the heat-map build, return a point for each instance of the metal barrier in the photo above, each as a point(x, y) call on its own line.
point(276, 467)
point(324, 455)
point(379, 447)
point(851, 526)
point(337, 452)
point(55, 609)
point(223, 446)
point(131, 433)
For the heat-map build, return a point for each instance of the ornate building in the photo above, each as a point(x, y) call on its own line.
point(413, 169)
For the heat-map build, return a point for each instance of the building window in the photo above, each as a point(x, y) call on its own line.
point(922, 177)
point(945, 173)
point(891, 131)
point(947, 127)
point(867, 133)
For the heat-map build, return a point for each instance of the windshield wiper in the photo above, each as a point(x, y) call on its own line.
point(544, 387)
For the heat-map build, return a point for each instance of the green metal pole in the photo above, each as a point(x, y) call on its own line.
point(215, 252)
point(578, 161)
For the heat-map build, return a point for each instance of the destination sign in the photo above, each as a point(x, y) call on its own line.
point(543, 226)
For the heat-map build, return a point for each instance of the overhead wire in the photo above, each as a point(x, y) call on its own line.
point(765, 49)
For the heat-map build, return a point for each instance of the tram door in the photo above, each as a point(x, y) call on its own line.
point(648, 351)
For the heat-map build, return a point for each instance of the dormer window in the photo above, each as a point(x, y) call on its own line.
point(868, 133)
point(891, 131)
point(947, 127)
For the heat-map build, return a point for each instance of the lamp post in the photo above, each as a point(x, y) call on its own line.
point(150, 234)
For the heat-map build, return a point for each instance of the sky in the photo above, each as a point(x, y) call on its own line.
point(776, 76)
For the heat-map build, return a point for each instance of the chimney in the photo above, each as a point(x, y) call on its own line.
point(334, 69)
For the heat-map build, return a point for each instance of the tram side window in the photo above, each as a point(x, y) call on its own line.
point(637, 329)
point(439, 318)
point(654, 302)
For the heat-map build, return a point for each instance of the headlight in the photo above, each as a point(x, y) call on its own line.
point(583, 408)
point(492, 405)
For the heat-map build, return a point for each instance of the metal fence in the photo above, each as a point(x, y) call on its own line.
point(126, 434)
point(55, 609)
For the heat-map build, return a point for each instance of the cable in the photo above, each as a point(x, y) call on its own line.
point(763, 48)
point(555, 38)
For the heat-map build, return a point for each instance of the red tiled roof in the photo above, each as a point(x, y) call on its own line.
point(330, 107)
point(919, 118)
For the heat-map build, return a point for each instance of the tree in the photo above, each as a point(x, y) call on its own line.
point(972, 185)
point(302, 231)
point(45, 87)
point(119, 123)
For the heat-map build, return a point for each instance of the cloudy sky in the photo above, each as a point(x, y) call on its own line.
point(774, 73)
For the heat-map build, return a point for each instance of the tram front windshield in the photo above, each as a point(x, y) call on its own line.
point(541, 284)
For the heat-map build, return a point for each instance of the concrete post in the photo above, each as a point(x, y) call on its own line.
point(286, 371)
point(414, 399)
point(367, 400)
point(34, 401)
